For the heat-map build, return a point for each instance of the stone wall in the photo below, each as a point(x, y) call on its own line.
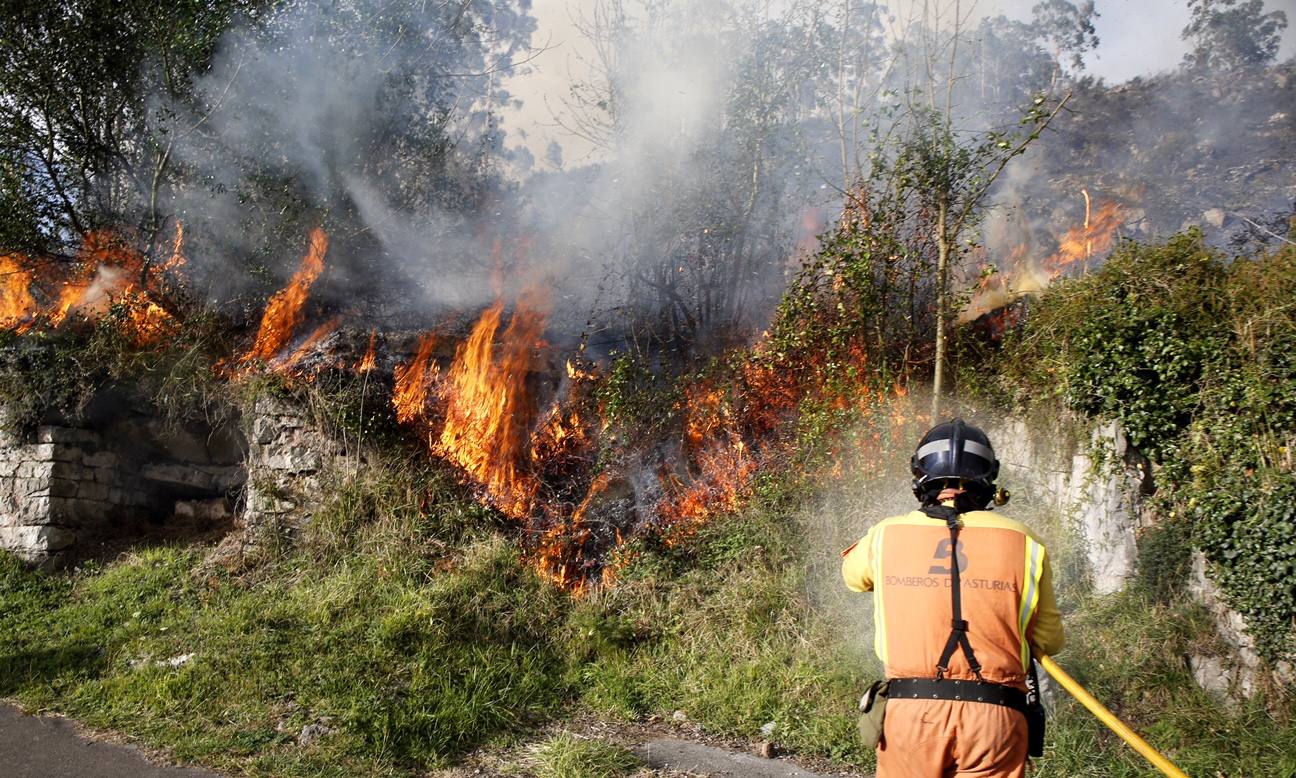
point(289, 461)
point(1240, 672)
point(1103, 497)
point(65, 489)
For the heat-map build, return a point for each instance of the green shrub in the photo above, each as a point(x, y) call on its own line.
point(51, 375)
point(1131, 343)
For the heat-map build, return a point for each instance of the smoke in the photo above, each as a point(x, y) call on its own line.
point(685, 147)
point(372, 119)
point(387, 126)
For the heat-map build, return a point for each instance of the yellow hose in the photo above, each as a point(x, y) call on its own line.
point(1107, 717)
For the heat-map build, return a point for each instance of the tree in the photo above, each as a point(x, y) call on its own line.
point(79, 80)
point(709, 114)
point(951, 171)
point(940, 165)
point(1232, 35)
point(375, 120)
point(1067, 29)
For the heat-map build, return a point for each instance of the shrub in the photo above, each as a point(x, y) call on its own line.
point(1194, 356)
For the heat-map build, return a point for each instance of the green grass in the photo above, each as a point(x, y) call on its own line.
point(416, 635)
point(411, 651)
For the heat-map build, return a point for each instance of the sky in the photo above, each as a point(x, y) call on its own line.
point(1136, 38)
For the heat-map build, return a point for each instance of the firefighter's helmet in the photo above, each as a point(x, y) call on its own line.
point(954, 453)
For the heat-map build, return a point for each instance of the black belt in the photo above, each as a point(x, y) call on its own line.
point(951, 689)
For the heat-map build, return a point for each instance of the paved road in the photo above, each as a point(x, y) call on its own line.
point(51, 747)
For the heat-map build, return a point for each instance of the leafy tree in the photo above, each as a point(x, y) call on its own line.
point(950, 172)
point(377, 120)
point(705, 199)
point(1005, 66)
point(1232, 34)
point(77, 82)
point(1067, 28)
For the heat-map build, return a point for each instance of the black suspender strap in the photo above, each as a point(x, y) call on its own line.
point(958, 637)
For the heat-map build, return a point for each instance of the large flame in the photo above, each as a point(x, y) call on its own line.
point(109, 273)
point(489, 409)
point(285, 311)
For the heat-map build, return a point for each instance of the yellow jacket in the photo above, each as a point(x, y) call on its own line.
point(1007, 594)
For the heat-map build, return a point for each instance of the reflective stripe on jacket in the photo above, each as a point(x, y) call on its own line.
point(1007, 594)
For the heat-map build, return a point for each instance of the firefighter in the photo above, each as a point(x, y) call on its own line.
point(961, 598)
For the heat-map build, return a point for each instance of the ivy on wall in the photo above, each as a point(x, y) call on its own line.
point(1194, 355)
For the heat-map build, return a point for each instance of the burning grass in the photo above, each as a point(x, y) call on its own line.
point(489, 410)
point(550, 449)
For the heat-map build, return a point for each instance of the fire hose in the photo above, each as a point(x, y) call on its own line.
point(1107, 717)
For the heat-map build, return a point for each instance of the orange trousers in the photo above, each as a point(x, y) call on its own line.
point(943, 738)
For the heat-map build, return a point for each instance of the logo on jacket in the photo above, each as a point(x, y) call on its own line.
point(943, 552)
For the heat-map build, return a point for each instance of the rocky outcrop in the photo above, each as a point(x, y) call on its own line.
point(1100, 484)
point(1240, 672)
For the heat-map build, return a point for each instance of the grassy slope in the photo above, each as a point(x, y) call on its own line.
point(417, 638)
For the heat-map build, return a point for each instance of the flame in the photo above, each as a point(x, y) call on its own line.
point(369, 362)
point(562, 433)
point(726, 472)
point(560, 555)
point(108, 272)
point(177, 259)
point(412, 381)
point(488, 409)
point(149, 321)
point(17, 306)
point(284, 313)
point(1094, 236)
point(105, 266)
point(706, 412)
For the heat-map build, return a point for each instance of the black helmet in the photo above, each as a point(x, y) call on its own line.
point(954, 451)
